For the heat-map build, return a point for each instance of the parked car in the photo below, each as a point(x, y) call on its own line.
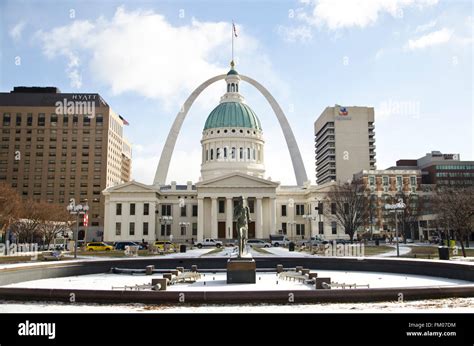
point(122, 244)
point(164, 245)
point(258, 243)
point(279, 240)
point(312, 241)
point(98, 246)
point(209, 242)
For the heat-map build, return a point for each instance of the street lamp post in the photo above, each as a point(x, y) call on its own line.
point(76, 209)
point(395, 208)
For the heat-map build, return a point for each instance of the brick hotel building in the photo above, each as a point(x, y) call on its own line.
point(54, 157)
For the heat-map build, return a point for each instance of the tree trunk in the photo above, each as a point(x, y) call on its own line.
point(462, 245)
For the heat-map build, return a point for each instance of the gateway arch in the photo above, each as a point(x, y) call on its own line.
point(165, 159)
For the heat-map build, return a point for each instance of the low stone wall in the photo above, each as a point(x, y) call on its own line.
point(446, 269)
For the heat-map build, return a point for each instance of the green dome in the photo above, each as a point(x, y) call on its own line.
point(232, 114)
point(232, 72)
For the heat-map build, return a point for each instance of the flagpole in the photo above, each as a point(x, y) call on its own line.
point(232, 33)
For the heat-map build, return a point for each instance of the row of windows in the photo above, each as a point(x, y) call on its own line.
point(454, 174)
point(131, 228)
point(132, 209)
point(386, 180)
point(53, 118)
point(455, 167)
point(231, 153)
point(52, 131)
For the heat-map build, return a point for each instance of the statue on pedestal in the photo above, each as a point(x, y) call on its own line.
point(242, 218)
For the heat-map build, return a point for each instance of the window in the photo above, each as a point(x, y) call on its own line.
point(283, 227)
point(145, 228)
point(212, 154)
point(183, 230)
point(6, 119)
point(146, 209)
point(132, 208)
point(166, 209)
point(195, 228)
point(300, 229)
point(333, 208)
point(183, 211)
point(132, 228)
point(241, 153)
point(118, 228)
point(320, 208)
point(413, 180)
point(118, 209)
point(221, 206)
point(371, 180)
point(251, 205)
point(165, 230)
point(41, 119)
point(385, 181)
point(29, 120)
point(334, 227)
point(399, 180)
point(18, 120)
point(300, 209)
point(321, 227)
point(283, 210)
point(195, 210)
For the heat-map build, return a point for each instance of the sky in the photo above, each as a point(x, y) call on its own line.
point(412, 60)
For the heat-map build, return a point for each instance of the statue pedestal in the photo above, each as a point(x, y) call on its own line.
point(241, 271)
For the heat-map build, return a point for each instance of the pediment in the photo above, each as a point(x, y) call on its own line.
point(237, 180)
point(131, 186)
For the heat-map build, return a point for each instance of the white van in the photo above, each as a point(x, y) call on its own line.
point(279, 240)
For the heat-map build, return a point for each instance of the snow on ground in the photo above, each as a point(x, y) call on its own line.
point(403, 249)
point(449, 305)
point(217, 281)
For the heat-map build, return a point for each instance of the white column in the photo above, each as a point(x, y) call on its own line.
point(229, 218)
point(213, 217)
point(273, 215)
point(259, 219)
point(200, 230)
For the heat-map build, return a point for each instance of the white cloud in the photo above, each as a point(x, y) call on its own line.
point(339, 14)
point(432, 39)
point(17, 30)
point(425, 27)
point(301, 33)
point(140, 51)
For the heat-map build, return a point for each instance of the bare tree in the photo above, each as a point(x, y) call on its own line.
point(455, 211)
point(408, 217)
point(350, 206)
point(32, 215)
point(10, 205)
point(55, 221)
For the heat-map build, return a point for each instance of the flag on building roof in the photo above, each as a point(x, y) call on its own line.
point(343, 111)
point(125, 122)
point(235, 30)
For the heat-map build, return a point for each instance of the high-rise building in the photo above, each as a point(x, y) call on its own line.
point(442, 169)
point(344, 142)
point(56, 146)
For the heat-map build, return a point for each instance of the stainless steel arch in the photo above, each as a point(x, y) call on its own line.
point(297, 161)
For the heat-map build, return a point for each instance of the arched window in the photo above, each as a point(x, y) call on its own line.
point(218, 153)
point(228, 87)
point(225, 152)
point(232, 87)
point(212, 154)
point(241, 154)
point(254, 156)
point(233, 153)
point(248, 153)
point(207, 155)
point(237, 88)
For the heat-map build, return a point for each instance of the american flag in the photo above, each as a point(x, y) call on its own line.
point(343, 111)
point(235, 30)
point(125, 122)
point(86, 220)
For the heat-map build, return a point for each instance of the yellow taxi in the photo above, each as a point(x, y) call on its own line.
point(164, 246)
point(98, 246)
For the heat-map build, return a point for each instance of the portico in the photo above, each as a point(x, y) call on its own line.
point(217, 198)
